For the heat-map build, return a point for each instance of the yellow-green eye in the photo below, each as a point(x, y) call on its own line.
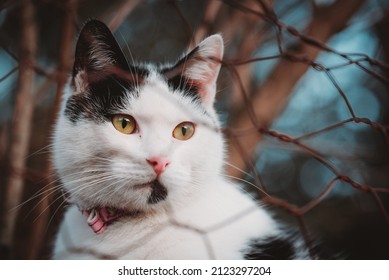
point(184, 131)
point(124, 123)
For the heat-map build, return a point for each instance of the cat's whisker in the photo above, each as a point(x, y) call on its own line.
point(95, 182)
point(52, 191)
point(90, 170)
point(186, 80)
point(84, 154)
point(62, 205)
point(137, 82)
point(241, 180)
point(49, 206)
point(45, 150)
point(249, 183)
point(239, 169)
point(43, 190)
point(38, 193)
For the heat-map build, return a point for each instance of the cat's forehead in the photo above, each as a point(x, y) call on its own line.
point(156, 100)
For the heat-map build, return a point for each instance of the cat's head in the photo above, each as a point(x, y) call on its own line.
point(138, 136)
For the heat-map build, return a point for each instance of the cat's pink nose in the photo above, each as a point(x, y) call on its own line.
point(159, 164)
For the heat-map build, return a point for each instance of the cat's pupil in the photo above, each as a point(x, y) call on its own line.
point(184, 130)
point(124, 123)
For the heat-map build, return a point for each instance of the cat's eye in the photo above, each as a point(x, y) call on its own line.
point(124, 123)
point(184, 131)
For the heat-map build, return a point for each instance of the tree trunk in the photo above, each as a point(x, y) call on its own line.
point(21, 123)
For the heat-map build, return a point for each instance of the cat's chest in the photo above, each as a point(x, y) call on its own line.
point(155, 238)
point(205, 228)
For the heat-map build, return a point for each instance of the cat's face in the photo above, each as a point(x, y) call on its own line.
point(138, 137)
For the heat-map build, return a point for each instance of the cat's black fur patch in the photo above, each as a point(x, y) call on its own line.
point(103, 98)
point(97, 104)
point(96, 35)
point(177, 81)
point(271, 248)
point(101, 75)
point(184, 85)
point(158, 193)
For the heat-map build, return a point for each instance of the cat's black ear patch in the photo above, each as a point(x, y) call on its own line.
point(101, 75)
point(271, 248)
point(98, 56)
point(177, 80)
point(196, 73)
point(97, 49)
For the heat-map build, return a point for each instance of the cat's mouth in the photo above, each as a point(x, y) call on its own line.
point(158, 191)
point(144, 186)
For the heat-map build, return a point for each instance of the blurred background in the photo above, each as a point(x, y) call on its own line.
point(303, 96)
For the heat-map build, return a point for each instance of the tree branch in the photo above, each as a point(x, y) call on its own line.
point(269, 99)
point(252, 38)
point(210, 13)
point(122, 12)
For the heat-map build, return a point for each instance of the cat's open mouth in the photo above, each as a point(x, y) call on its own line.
point(158, 191)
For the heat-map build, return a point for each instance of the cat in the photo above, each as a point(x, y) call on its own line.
point(140, 152)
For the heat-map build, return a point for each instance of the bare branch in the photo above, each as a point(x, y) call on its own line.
point(122, 12)
point(252, 38)
point(269, 99)
point(210, 14)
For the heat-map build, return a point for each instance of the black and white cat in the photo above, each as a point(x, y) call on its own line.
point(139, 150)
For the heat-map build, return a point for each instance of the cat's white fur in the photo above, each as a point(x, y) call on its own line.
point(204, 215)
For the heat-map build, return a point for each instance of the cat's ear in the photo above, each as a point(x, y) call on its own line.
point(199, 69)
point(97, 53)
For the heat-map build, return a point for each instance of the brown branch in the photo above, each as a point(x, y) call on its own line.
point(211, 11)
point(121, 12)
point(241, 31)
point(269, 99)
point(252, 38)
point(39, 228)
point(21, 122)
point(45, 85)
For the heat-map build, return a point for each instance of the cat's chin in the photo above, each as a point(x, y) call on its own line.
point(143, 198)
point(152, 192)
point(157, 191)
